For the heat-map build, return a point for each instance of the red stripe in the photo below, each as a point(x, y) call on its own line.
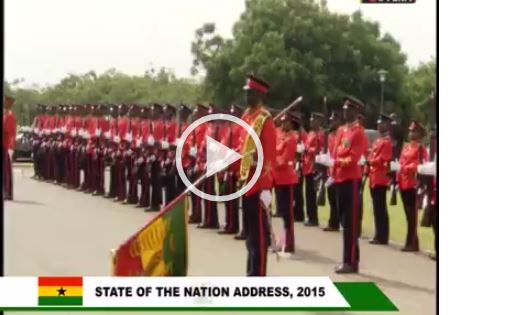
point(353, 219)
point(59, 281)
point(257, 86)
point(262, 240)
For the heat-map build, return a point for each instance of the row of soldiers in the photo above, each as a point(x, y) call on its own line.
point(138, 145)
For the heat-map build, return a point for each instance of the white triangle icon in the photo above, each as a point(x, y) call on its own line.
point(219, 156)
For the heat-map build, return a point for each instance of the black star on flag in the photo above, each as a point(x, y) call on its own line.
point(62, 291)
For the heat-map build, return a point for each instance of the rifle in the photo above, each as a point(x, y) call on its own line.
point(322, 171)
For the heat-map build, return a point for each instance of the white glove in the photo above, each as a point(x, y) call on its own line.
point(129, 137)
point(330, 162)
point(98, 132)
point(395, 166)
point(362, 160)
point(329, 181)
point(138, 143)
point(140, 160)
point(164, 145)
point(427, 169)
point(193, 151)
point(10, 152)
point(266, 197)
point(300, 148)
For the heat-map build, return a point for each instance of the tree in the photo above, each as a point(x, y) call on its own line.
point(110, 86)
point(418, 87)
point(301, 48)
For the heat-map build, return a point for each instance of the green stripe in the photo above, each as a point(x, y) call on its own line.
point(60, 300)
point(365, 296)
point(176, 258)
point(188, 309)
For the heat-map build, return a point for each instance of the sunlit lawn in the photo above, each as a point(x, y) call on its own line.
point(397, 222)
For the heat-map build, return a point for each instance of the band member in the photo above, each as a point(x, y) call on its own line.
point(231, 139)
point(211, 208)
point(350, 145)
point(9, 126)
point(90, 136)
point(286, 177)
point(256, 201)
point(379, 179)
point(430, 169)
point(198, 156)
point(123, 128)
point(413, 154)
point(158, 133)
point(335, 121)
point(169, 179)
point(314, 144)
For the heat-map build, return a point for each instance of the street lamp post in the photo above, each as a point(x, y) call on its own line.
point(382, 77)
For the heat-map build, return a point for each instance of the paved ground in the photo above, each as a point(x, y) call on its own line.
point(54, 231)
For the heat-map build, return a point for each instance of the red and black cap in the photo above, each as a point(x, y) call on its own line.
point(294, 117)
point(156, 107)
point(353, 102)
point(213, 109)
point(170, 108)
point(335, 115)
point(9, 99)
point(383, 118)
point(416, 126)
point(201, 108)
point(256, 84)
point(184, 109)
point(317, 116)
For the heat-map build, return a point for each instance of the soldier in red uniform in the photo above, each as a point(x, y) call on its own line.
point(335, 121)
point(103, 128)
point(186, 160)
point(379, 179)
point(256, 201)
point(413, 154)
point(123, 127)
point(198, 156)
point(58, 152)
point(90, 137)
point(69, 139)
point(51, 124)
point(314, 144)
point(231, 139)
point(158, 133)
point(350, 145)
point(210, 220)
point(286, 177)
point(134, 153)
point(147, 143)
point(112, 149)
point(301, 135)
point(9, 136)
point(169, 179)
point(79, 145)
point(36, 138)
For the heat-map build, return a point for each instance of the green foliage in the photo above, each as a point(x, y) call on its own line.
point(420, 82)
point(108, 87)
point(301, 49)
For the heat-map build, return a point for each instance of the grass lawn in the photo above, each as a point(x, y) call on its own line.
point(397, 222)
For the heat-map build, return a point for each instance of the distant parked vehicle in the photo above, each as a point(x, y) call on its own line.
point(23, 146)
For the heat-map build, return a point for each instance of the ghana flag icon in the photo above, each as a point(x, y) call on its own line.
point(57, 291)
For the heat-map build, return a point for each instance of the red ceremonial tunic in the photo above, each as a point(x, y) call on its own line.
point(379, 161)
point(284, 171)
point(412, 155)
point(350, 145)
point(9, 122)
point(268, 140)
point(314, 144)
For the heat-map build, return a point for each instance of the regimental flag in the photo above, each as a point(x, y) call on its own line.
point(61, 291)
point(159, 248)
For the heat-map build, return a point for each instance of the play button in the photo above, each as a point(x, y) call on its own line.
point(219, 157)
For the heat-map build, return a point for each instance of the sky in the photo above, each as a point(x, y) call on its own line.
point(47, 39)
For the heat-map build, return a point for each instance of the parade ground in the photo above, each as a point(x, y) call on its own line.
point(52, 231)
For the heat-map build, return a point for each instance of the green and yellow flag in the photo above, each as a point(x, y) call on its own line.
point(59, 291)
point(159, 248)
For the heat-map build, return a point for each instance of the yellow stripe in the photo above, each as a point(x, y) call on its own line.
point(54, 291)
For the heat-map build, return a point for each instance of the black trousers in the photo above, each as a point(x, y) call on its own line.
point(180, 186)
point(333, 221)
point(211, 207)
point(7, 180)
point(157, 187)
point(232, 210)
point(144, 176)
point(258, 235)
point(169, 181)
point(380, 213)
point(311, 199)
point(409, 197)
point(112, 192)
point(284, 198)
point(36, 168)
point(299, 200)
point(348, 205)
point(196, 216)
